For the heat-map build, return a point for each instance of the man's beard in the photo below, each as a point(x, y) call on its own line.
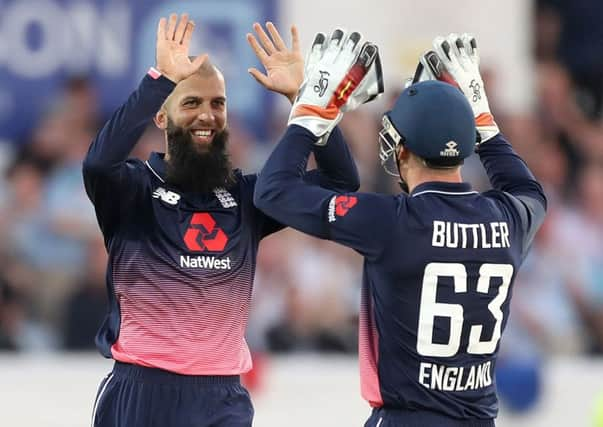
point(194, 168)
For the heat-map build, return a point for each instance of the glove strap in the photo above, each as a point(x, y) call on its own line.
point(486, 126)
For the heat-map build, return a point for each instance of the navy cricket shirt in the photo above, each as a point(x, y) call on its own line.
point(181, 265)
point(438, 271)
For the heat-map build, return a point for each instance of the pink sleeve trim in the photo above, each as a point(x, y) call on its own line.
point(154, 73)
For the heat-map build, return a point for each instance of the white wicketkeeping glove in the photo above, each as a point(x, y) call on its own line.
point(340, 75)
point(455, 60)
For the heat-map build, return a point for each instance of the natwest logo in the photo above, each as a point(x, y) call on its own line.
point(340, 205)
point(203, 235)
point(343, 204)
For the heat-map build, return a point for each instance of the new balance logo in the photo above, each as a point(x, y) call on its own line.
point(165, 195)
point(450, 150)
point(225, 198)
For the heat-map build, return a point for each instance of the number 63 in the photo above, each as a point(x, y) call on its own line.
point(430, 308)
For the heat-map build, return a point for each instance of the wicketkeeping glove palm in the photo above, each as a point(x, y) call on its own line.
point(455, 60)
point(340, 75)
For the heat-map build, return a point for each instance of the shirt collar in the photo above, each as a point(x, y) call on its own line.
point(448, 188)
point(156, 164)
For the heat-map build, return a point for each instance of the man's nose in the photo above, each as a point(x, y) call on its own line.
point(205, 114)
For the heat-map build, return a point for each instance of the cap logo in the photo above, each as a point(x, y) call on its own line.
point(450, 150)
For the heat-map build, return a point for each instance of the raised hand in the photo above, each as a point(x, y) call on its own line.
point(460, 58)
point(343, 73)
point(284, 67)
point(173, 41)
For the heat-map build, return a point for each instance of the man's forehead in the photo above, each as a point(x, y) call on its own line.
point(201, 86)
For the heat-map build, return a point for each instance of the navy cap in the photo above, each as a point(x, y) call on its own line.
point(435, 122)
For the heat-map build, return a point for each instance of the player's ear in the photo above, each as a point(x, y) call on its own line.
point(402, 153)
point(161, 119)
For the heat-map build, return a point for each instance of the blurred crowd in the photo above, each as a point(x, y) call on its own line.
point(53, 260)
